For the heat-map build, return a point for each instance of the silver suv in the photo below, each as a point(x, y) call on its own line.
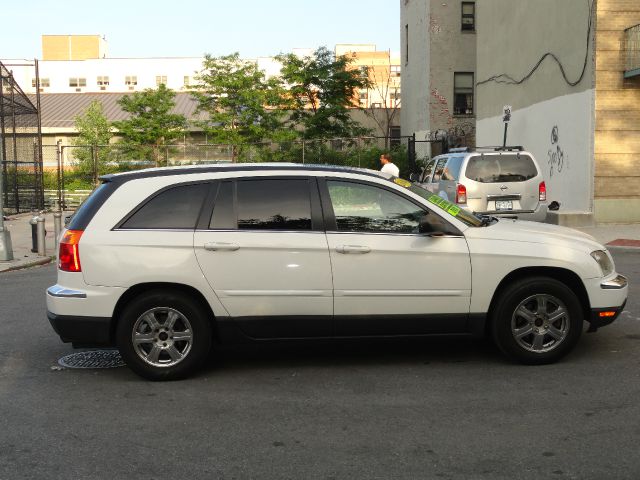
point(498, 181)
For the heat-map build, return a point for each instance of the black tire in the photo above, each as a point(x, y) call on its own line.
point(159, 303)
point(505, 321)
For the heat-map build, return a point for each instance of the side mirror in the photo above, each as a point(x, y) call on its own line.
point(413, 177)
point(554, 206)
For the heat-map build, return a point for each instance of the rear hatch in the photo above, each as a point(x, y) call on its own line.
point(502, 182)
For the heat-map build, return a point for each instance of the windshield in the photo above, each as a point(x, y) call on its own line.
point(450, 208)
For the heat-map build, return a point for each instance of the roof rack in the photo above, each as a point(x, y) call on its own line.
point(500, 148)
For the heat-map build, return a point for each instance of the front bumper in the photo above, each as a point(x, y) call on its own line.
point(82, 331)
point(612, 291)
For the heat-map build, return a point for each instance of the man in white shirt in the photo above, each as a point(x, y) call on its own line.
point(388, 166)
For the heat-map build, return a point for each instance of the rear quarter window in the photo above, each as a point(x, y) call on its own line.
point(174, 208)
point(501, 168)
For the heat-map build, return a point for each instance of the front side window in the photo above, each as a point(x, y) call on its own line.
point(273, 204)
point(175, 208)
point(366, 208)
point(463, 93)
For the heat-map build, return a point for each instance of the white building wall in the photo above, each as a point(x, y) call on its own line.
point(557, 133)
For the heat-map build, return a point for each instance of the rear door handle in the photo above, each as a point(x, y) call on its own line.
point(352, 249)
point(217, 246)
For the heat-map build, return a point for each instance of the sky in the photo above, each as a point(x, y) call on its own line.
point(186, 28)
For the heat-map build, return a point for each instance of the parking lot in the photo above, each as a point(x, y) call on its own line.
point(442, 407)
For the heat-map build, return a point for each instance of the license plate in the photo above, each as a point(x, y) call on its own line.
point(504, 205)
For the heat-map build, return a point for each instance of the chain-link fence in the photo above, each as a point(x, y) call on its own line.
point(20, 148)
point(72, 171)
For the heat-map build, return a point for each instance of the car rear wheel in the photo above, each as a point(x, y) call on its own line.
point(164, 335)
point(537, 320)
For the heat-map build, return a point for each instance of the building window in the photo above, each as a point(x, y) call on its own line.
point(161, 80)
point(44, 82)
point(376, 105)
point(463, 93)
point(77, 82)
point(395, 96)
point(103, 80)
point(395, 70)
point(131, 80)
point(469, 16)
point(187, 80)
point(406, 44)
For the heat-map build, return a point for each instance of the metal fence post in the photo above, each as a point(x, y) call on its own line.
point(42, 250)
point(57, 225)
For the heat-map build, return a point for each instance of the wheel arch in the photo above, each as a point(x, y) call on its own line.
point(136, 290)
point(566, 276)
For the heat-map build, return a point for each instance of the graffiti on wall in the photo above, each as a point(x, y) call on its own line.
point(558, 160)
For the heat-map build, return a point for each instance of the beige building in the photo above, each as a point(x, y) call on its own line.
point(73, 47)
point(382, 101)
point(571, 79)
point(438, 58)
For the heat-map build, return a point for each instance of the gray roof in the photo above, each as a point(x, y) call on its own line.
point(60, 109)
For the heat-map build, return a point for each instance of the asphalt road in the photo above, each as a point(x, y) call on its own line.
point(449, 408)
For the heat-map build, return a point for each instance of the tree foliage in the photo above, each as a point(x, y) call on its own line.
point(241, 105)
point(151, 123)
point(94, 131)
point(321, 90)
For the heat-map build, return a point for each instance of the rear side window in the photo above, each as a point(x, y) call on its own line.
point(81, 218)
point(452, 170)
point(175, 208)
point(501, 168)
point(273, 204)
point(437, 175)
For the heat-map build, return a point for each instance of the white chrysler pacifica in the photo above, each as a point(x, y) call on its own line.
point(162, 263)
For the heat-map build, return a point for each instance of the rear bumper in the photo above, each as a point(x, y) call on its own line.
point(537, 215)
point(79, 330)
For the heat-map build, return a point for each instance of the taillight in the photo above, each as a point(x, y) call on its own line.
point(69, 254)
point(542, 192)
point(461, 194)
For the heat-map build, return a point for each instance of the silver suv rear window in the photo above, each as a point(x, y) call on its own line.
point(502, 168)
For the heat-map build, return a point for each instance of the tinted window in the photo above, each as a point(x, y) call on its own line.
point(501, 168)
point(224, 216)
point(365, 208)
point(175, 208)
point(452, 170)
point(274, 204)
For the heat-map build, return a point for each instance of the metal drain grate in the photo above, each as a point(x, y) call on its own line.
point(92, 359)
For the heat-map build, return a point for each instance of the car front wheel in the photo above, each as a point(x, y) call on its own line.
point(537, 321)
point(163, 335)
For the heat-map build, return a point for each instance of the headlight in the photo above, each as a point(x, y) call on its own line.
point(606, 265)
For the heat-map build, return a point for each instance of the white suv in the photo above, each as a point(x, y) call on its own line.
point(163, 262)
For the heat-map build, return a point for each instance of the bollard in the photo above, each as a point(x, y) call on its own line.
point(42, 251)
point(57, 225)
point(34, 234)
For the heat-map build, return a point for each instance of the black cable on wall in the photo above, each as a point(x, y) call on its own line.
point(507, 79)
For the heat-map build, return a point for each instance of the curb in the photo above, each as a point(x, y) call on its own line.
point(33, 263)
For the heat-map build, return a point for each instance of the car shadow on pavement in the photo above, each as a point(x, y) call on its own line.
point(370, 352)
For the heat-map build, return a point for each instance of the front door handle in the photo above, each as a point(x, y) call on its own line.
point(352, 249)
point(217, 246)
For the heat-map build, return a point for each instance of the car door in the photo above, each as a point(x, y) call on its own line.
point(265, 254)
point(388, 278)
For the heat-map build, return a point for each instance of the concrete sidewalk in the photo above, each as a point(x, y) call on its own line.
point(614, 236)
point(20, 229)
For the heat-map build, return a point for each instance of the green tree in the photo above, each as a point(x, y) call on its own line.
point(242, 106)
point(322, 89)
point(94, 131)
point(151, 123)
